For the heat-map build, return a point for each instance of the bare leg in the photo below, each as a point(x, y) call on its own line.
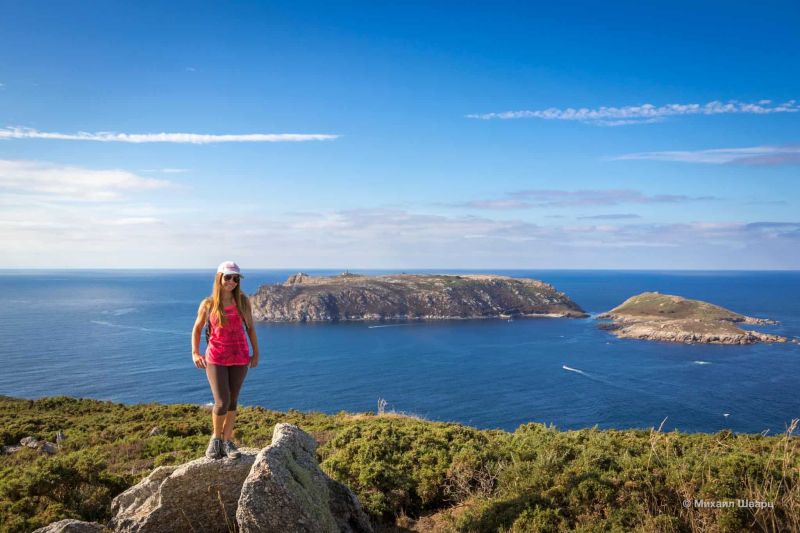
point(218, 424)
point(227, 429)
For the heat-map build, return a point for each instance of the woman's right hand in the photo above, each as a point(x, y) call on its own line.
point(199, 360)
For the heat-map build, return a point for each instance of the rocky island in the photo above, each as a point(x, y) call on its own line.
point(304, 298)
point(663, 317)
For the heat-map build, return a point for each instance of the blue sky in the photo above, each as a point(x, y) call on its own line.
point(405, 135)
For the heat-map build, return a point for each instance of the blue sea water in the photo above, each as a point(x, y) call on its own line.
point(125, 336)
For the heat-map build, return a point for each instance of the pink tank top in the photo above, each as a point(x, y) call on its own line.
point(227, 346)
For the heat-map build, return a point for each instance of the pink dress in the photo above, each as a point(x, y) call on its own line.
point(227, 346)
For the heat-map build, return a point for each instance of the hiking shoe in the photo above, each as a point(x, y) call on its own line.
point(214, 450)
point(230, 449)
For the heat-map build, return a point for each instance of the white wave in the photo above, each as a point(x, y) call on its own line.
point(701, 362)
point(565, 367)
point(137, 328)
point(388, 326)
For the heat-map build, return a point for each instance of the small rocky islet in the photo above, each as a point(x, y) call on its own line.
point(668, 318)
point(352, 297)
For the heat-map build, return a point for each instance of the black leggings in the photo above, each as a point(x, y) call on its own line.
point(226, 382)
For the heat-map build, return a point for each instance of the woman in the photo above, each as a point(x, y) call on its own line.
point(228, 315)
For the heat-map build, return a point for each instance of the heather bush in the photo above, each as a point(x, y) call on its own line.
point(422, 475)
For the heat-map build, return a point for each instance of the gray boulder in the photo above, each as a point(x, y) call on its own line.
point(71, 526)
point(47, 447)
point(197, 496)
point(42, 445)
point(287, 492)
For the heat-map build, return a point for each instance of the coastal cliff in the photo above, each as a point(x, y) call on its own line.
point(668, 318)
point(304, 298)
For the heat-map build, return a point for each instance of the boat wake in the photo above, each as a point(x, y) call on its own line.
point(388, 326)
point(120, 312)
point(137, 328)
point(701, 362)
point(565, 367)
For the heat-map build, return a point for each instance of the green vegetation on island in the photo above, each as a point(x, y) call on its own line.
point(417, 475)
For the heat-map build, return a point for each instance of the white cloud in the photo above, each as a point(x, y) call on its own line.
point(167, 170)
point(645, 113)
point(63, 182)
point(134, 220)
point(753, 155)
point(381, 238)
point(186, 138)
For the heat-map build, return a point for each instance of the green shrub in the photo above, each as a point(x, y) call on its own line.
point(534, 479)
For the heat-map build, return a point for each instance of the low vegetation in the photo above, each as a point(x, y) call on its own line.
point(417, 475)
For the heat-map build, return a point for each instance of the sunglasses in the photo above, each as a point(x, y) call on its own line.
point(231, 277)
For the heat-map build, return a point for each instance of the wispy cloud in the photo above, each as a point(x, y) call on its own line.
point(357, 238)
point(129, 221)
point(63, 182)
point(753, 155)
point(645, 113)
point(767, 202)
point(499, 203)
point(529, 199)
point(166, 170)
point(186, 138)
point(611, 216)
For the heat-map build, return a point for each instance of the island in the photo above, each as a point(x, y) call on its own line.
point(348, 297)
point(664, 317)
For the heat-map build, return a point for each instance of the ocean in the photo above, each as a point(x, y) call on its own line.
point(125, 336)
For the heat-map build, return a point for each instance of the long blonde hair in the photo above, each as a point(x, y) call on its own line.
point(214, 302)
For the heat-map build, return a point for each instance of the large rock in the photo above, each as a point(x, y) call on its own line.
point(287, 492)
point(197, 496)
point(71, 526)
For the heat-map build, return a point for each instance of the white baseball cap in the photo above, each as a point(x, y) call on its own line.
point(229, 267)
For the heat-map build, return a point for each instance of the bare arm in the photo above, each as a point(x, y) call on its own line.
point(199, 323)
point(251, 332)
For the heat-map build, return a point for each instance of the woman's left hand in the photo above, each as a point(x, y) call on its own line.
point(254, 361)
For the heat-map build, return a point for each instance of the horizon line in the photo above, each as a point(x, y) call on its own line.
point(396, 269)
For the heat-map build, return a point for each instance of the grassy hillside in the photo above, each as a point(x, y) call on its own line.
point(412, 474)
point(665, 306)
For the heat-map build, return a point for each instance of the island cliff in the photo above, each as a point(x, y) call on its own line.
point(405, 296)
point(663, 317)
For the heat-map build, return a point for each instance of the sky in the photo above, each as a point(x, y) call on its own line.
point(400, 135)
